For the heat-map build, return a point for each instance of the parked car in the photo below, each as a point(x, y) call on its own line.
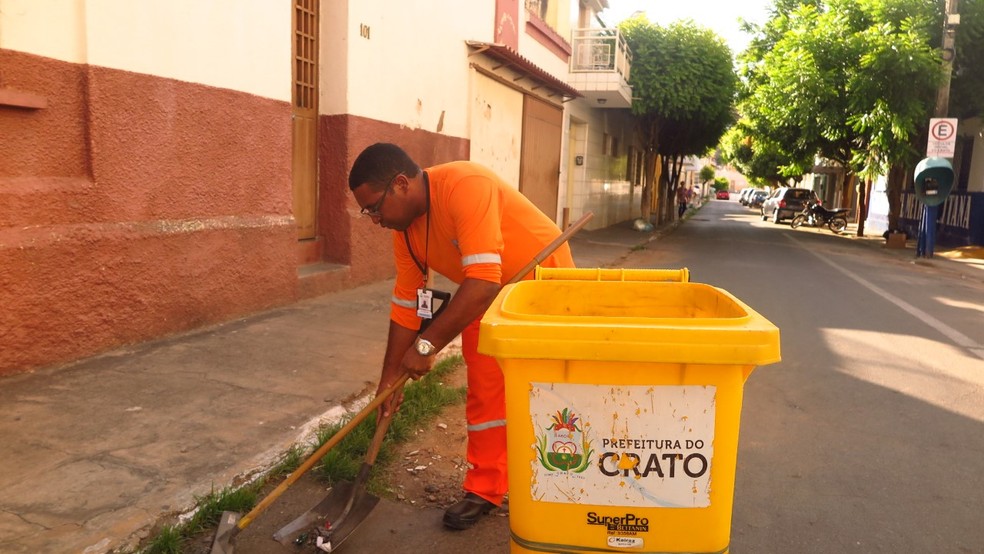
point(746, 195)
point(722, 195)
point(786, 202)
point(756, 199)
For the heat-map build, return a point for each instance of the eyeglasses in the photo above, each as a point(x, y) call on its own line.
point(375, 209)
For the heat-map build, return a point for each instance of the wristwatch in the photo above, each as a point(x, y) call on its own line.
point(424, 347)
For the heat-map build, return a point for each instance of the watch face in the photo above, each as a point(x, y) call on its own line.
point(424, 347)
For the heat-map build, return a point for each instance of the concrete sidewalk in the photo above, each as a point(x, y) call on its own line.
point(97, 452)
point(965, 262)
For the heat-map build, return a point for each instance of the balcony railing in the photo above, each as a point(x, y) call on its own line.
point(600, 50)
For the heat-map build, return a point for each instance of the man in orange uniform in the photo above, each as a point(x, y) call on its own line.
point(463, 221)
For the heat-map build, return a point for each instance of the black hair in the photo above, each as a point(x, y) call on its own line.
point(378, 164)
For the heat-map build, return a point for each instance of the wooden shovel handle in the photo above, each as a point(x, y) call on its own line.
point(382, 425)
point(377, 439)
point(549, 249)
point(320, 452)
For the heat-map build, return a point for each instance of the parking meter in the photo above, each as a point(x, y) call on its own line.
point(933, 180)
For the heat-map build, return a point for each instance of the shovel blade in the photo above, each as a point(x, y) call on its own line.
point(222, 543)
point(331, 510)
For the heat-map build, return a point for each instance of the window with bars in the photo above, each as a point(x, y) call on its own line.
point(305, 53)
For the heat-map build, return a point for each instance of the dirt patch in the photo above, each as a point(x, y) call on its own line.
point(430, 468)
point(423, 479)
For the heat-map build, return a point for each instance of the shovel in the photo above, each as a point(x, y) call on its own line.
point(347, 505)
point(358, 504)
point(231, 523)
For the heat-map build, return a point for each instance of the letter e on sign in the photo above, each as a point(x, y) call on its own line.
point(942, 138)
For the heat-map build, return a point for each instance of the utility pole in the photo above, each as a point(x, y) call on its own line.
point(951, 19)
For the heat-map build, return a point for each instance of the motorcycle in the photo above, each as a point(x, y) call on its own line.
point(815, 215)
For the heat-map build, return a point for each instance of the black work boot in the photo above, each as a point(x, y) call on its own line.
point(465, 513)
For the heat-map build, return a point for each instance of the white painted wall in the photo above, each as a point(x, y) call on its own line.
point(241, 45)
point(496, 127)
point(408, 62)
point(49, 28)
point(599, 185)
point(559, 16)
point(878, 208)
point(336, 33)
point(975, 181)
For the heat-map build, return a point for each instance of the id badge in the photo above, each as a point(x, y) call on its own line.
point(425, 303)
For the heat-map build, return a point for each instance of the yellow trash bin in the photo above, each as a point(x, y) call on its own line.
point(623, 407)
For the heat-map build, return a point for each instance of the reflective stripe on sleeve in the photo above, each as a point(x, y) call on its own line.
point(492, 258)
point(487, 425)
point(404, 303)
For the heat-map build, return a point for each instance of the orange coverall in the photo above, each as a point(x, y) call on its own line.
point(480, 228)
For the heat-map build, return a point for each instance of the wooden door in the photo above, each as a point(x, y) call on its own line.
point(539, 167)
point(304, 117)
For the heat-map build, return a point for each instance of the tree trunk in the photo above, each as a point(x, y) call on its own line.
point(658, 192)
point(671, 203)
point(646, 198)
point(896, 182)
point(864, 201)
point(847, 199)
point(649, 135)
point(666, 201)
point(664, 190)
point(648, 176)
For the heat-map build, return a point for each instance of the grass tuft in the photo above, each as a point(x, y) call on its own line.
point(169, 540)
point(422, 401)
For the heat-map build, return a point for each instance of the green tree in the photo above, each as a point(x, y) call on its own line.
point(760, 157)
point(683, 87)
point(966, 88)
point(706, 173)
point(892, 117)
point(846, 80)
point(967, 82)
point(766, 148)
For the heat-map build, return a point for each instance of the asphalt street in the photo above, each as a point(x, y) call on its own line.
point(867, 437)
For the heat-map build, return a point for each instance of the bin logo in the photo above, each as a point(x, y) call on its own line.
point(563, 446)
point(651, 446)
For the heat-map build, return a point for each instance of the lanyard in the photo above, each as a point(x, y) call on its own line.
point(406, 234)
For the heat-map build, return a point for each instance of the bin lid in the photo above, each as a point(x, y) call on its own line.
point(626, 321)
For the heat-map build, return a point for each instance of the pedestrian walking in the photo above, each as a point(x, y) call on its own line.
point(463, 221)
point(683, 198)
